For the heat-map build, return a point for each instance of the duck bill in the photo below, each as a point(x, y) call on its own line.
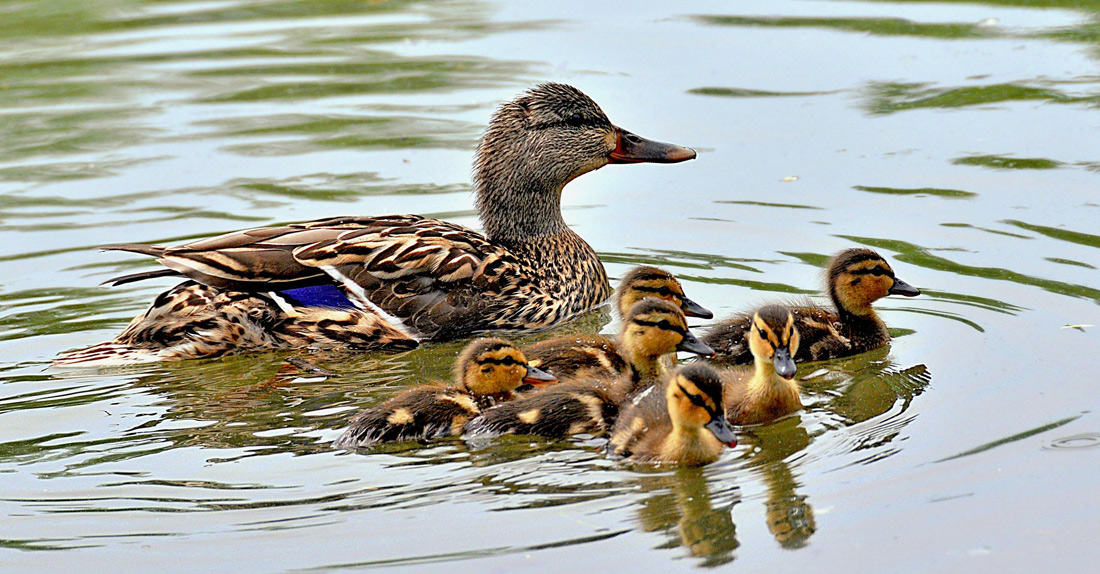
point(693, 345)
point(537, 377)
point(693, 309)
point(784, 364)
point(631, 148)
point(721, 429)
point(902, 288)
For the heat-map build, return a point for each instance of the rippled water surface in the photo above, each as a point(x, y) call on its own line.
point(959, 139)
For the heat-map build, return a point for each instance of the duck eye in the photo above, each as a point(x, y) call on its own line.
point(763, 334)
point(664, 292)
point(508, 361)
point(575, 119)
point(665, 325)
point(486, 369)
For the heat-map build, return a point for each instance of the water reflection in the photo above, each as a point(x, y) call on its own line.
point(684, 509)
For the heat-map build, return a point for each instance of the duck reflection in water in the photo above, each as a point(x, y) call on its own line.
point(686, 510)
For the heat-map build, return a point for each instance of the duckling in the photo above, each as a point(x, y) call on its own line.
point(856, 278)
point(771, 391)
point(653, 328)
point(598, 356)
point(426, 278)
point(683, 425)
point(487, 371)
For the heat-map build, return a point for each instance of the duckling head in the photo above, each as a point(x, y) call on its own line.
point(859, 277)
point(494, 366)
point(643, 282)
point(774, 339)
point(537, 143)
point(694, 395)
point(654, 328)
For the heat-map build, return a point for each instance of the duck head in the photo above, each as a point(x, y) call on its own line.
point(537, 143)
point(694, 396)
point(492, 367)
point(773, 340)
point(644, 282)
point(859, 277)
point(654, 328)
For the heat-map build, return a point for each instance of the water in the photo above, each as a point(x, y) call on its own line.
point(958, 139)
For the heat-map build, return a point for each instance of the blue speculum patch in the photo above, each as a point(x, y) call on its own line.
point(318, 296)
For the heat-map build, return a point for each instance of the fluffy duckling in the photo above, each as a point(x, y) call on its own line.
point(487, 371)
point(652, 329)
point(596, 356)
point(856, 278)
point(771, 391)
point(684, 425)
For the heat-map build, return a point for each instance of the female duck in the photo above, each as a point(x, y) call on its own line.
point(404, 277)
point(600, 357)
point(487, 371)
point(856, 279)
point(683, 425)
point(652, 329)
point(769, 391)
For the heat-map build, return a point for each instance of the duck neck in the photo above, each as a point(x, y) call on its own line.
point(516, 209)
point(852, 315)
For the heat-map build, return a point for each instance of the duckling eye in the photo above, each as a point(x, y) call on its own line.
point(486, 369)
point(666, 326)
point(664, 292)
point(508, 361)
point(575, 119)
point(763, 334)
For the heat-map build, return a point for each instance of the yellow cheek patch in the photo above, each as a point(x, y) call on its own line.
point(529, 417)
point(462, 401)
point(400, 417)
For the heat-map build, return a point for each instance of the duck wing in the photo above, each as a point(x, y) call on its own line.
point(427, 274)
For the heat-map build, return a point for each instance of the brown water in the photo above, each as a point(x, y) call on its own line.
point(957, 138)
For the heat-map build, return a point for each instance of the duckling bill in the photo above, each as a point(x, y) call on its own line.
point(401, 279)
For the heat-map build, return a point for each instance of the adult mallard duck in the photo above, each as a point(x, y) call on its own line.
point(488, 371)
point(395, 280)
point(855, 279)
point(600, 357)
point(683, 425)
point(652, 329)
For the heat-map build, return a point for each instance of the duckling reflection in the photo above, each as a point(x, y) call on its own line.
point(686, 510)
point(788, 514)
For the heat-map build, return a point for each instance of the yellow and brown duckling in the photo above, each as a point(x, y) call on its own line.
point(487, 372)
point(653, 328)
point(597, 356)
point(683, 425)
point(768, 391)
point(407, 275)
point(856, 278)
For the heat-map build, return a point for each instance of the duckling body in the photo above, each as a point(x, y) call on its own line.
point(426, 278)
point(653, 328)
point(586, 357)
point(769, 390)
point(856, 279)
point(682, 425)
point(487, 372)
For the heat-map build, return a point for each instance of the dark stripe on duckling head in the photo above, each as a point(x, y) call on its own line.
point(657, 313)
point(774, 324)
point(473, 352)
point(705, 378)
